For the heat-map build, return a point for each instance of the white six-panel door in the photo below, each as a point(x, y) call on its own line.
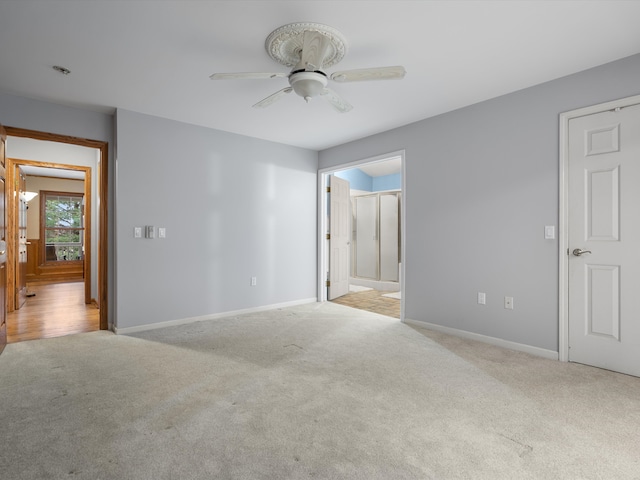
point(339, 237)
point(604, 240)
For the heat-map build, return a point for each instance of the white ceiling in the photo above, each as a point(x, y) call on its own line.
point(385, 167)
point(53, 172)
point(155, 57)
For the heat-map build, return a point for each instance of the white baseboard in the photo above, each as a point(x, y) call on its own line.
point(375, 284)
point(213, 316)
point(498, 342)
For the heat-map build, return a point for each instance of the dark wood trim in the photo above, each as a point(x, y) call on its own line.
point(3, 235)
point(12, 228)
point(57, 178)
point(103, 172)
point(38, 273)
point(87, 235)
point(103, 184)
point(54, 137)
point(11, 186)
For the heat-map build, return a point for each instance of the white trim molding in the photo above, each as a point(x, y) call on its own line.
point(322, 219)
point(213, 316)
point(497, 342)
point(563, 237)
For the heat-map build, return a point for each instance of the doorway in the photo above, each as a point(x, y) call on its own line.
point(93, 293)
point(52, 215)
point(376, 240)
point(599, 234)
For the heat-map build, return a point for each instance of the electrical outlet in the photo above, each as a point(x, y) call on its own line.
point(508, 303)
point(482, 298)
point(254, 281)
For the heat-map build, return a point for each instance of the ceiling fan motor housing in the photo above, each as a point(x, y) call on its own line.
point(308, 84)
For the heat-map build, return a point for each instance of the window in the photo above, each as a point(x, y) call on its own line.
point(62, 226)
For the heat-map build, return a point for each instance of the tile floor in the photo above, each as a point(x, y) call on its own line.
point(371, 301)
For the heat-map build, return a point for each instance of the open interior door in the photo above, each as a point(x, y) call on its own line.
point(3, 246)
point(339, 237)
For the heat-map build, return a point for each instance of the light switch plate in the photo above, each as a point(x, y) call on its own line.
point(162, 232)
point(137, 232)
point(549, 232)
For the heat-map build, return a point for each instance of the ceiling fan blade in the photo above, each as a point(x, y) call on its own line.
point(247, 75)
point(336, 100)
point(380, 73)
point(272, 98)
point(314, 51)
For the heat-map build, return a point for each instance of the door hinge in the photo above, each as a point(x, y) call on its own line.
point(328, 236)
point(328, 189)
point(328, 283)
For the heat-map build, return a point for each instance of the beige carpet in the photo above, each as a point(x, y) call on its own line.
point(317, 391)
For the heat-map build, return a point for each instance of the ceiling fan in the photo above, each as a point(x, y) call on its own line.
point(309, 48)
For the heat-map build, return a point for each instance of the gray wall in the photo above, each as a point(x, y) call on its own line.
point(42, 116)
point(233, 207)
point(482, 182)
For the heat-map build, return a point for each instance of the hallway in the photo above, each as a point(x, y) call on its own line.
point(57, 309)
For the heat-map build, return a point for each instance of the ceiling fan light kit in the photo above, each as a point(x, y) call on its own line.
point(308, 84)
point(308, 48)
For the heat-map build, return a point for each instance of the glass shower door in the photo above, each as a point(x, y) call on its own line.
point(367, 237)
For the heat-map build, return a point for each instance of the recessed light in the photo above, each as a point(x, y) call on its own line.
point(62, 70)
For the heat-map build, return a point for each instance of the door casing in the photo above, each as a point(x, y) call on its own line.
point(12, 208)
point(103, 148)
point(3, 239)
point(563, 237)
point(323, 252)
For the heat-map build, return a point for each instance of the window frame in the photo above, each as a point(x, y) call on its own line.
point(43, 227)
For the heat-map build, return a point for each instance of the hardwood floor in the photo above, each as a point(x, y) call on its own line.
point(56, 310)
point(372, 301)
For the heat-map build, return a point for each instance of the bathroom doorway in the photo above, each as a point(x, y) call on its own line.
point(376, 233)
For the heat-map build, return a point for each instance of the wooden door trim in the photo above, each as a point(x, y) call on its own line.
point(563, 236)
point(103, 148)
point(3, 221)
point(12, 206)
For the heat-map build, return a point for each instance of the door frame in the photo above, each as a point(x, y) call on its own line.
point(12, 206)
point(102, 190)
point(323, 254)
point(563, 237)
